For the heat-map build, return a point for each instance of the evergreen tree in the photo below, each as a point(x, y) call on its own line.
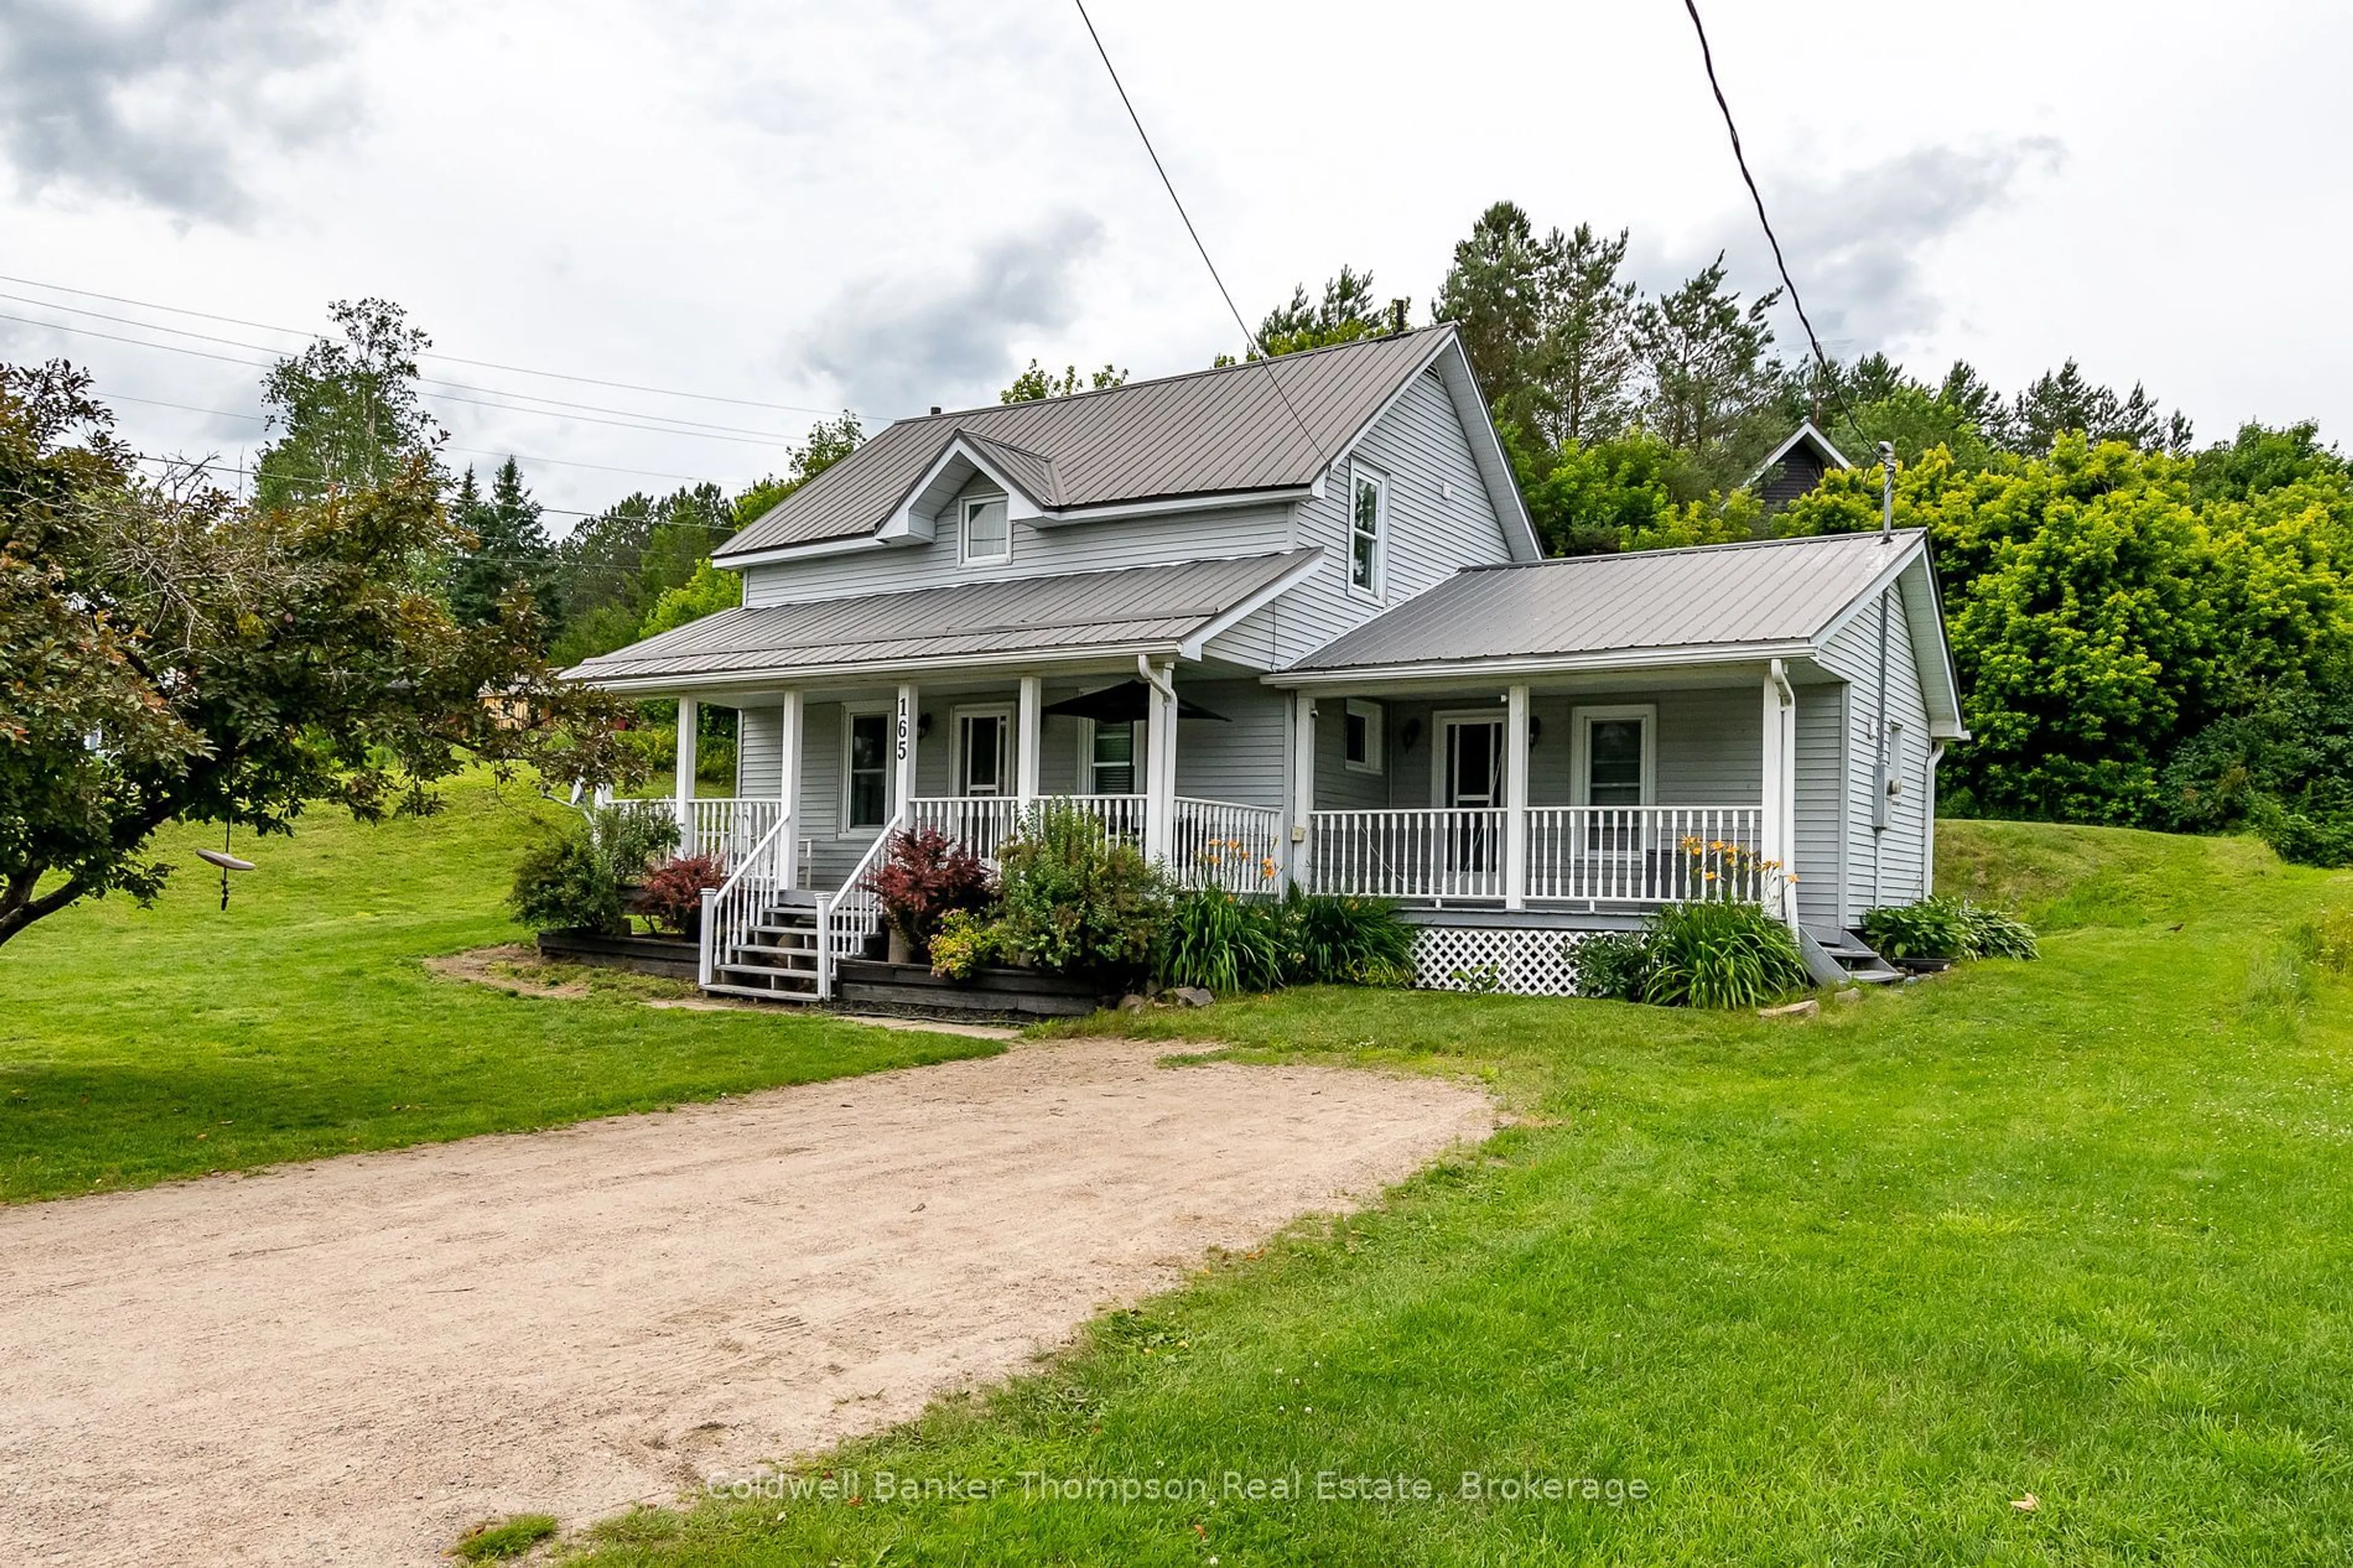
point(511, 550)
point(1495, 293)
point(1707, 372)
point(1346, 312)
point(1585, 360)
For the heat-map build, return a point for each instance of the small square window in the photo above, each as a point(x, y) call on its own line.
point(1362, 728)
point(987, 536)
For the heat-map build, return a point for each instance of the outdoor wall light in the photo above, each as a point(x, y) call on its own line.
point(922, 725)
point(1409, 734)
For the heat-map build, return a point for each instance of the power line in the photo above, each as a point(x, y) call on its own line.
point(690, 428)
point(1707, 58)
point(450, 359)
point(1169, 185)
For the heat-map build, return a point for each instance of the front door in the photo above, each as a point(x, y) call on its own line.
point(1474, 782)
point(982, 751)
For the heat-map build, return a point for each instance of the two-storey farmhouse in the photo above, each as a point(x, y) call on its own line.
point(1288, 621)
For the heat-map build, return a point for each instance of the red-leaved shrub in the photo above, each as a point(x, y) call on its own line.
point(925, 876)
point(671, 894)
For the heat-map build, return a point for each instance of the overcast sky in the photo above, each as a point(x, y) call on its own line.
point(892, 204)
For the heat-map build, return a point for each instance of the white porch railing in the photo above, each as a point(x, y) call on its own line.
point(1593, 854)
point(1456, 853)
point(847, 918)
point(1646, 854)
point(1218, 844)
point(729, 826)
point(731, 910)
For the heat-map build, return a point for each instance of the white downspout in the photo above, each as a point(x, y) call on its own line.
point(1928, 805)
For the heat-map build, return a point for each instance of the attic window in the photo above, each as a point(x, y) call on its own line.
point(987, 536)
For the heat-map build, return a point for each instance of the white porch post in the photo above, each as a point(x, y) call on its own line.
point(1303, 789)
point(1777, 768)
point(1160, 764)
point(909, 716)
point(684, 789)
point(1024, 763)
point(1515, 798)
point(789, 786)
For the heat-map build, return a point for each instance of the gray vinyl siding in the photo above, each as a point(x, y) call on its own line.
point(1418, 446)
point(759, 751)
point(1883, 868)
point(1821, 849)
point(1037, 552)
point(1241, 760)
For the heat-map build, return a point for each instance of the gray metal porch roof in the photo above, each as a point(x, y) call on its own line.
point(1136, 608)
point(1750, 594)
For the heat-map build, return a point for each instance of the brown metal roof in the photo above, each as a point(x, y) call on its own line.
point(1263, 425)
point(1766, 592)
point(1140, 607)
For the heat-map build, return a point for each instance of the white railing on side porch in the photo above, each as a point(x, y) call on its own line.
point(1456, 853)
point(1647, 854)
point(1219, 843)
point(1576, 854)
point(847, 918)
point(731, 910)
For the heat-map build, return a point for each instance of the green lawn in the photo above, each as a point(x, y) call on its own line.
point(141, 1044)
point(1834, 1292)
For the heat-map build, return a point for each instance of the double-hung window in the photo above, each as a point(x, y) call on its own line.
point(1110, 757)
point(988, 535)
point(866, 770)
point(1368, 508)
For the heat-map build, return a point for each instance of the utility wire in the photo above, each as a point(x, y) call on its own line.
point(1707, 58)
point(1169, 185)
point(587, 414)
point(448, 359)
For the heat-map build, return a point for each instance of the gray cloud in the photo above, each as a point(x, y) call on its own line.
point(159, 102)
point(1859, 242)
point(896, 345)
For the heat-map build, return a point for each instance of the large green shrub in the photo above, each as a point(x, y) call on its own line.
point(1076, 901)
point(1720, 955)
point(1220, 942)
point(1227, 943)
point(1944, 929)
point(572, 880)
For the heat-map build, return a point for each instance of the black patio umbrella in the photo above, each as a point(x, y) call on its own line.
point(1126, 703)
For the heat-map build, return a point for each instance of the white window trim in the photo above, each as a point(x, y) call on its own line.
point(964, 508)
point(1086, 775)
point(842, 826)
point(1374, 759)
point(1010, 762)
point(1580, 748)
point(1378, 591)
point(1440, 723)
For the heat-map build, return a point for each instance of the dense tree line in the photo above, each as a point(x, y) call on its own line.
point(2148, 633)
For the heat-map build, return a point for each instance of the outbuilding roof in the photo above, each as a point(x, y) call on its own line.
point(1271, 425)
point(1719, 596)
point(1130, 610)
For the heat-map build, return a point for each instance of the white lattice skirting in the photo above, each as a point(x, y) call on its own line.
point(1523, 962)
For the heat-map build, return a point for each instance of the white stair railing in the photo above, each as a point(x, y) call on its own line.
point(847, 918)
point(732, 908)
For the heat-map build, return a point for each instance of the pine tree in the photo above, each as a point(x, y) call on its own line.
point(511, 550)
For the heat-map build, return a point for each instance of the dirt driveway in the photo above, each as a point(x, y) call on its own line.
point(351, 1362)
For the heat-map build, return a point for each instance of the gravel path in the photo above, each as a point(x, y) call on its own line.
point(352, 1361)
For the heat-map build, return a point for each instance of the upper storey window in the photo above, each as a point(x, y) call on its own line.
point(1367, 525)
point(987, 536)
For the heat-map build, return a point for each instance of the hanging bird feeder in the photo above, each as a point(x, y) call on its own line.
point(225, 861)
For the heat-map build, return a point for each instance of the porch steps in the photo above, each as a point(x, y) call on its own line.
point(1835, 956)
point(778, 961)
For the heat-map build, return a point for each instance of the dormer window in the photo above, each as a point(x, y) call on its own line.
point(987, 536)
